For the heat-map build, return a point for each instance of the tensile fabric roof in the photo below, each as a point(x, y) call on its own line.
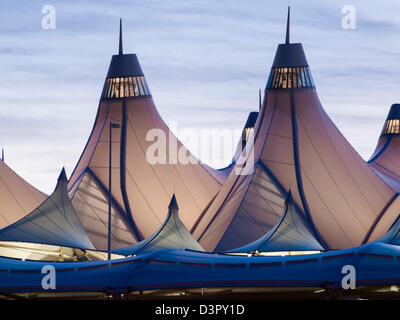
point(54, 222)
point(171, 235)
point(291, 233)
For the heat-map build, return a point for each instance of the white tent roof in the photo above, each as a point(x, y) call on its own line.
point(17, 197)
point(171, 235)
point(141, 189)
point(54, 222)
point(298, 147)
point(289, 234)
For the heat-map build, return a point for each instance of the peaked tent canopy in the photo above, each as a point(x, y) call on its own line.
point(385, 162)
point(17, 197)
point(54, 222)
point(171, 235)
point(141, 186)
point(247, 132)
point(298, 147)
point(386, 158)
point(289, 234)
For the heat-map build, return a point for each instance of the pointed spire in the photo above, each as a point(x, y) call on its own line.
point(173, 204)
point(2, 154)
point(63, 176)
point(288, 26)
point(289, 55)
point(120, 37)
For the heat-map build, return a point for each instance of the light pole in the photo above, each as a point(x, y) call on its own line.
point(112, 125)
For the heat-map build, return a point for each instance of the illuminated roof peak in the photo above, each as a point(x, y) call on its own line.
point(289, 54)
point(392, 123)
point(123, 65)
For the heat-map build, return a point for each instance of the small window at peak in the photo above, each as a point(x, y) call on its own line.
point(125, 87)
point(292, 77)
point(392, 126)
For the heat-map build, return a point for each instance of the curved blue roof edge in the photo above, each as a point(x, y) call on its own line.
point(382, 149)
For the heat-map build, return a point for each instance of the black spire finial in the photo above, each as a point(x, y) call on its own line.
point(120, 37)
point(288, 26)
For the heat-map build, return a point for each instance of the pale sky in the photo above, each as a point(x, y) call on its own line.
point(204, 62)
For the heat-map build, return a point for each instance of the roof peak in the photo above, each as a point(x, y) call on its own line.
point(289, 54)
point(63, 175)
point(124, 65)
point(172, 234)
point(173, 204)
point(394, 112)
point(291, 233)
point(289, 198)
point(251, 119)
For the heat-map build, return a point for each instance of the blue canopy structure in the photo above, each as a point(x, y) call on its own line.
point(289, 234)
point(54, 222)
point(171, 235)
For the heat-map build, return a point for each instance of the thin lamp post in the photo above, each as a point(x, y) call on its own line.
point(112, 125)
